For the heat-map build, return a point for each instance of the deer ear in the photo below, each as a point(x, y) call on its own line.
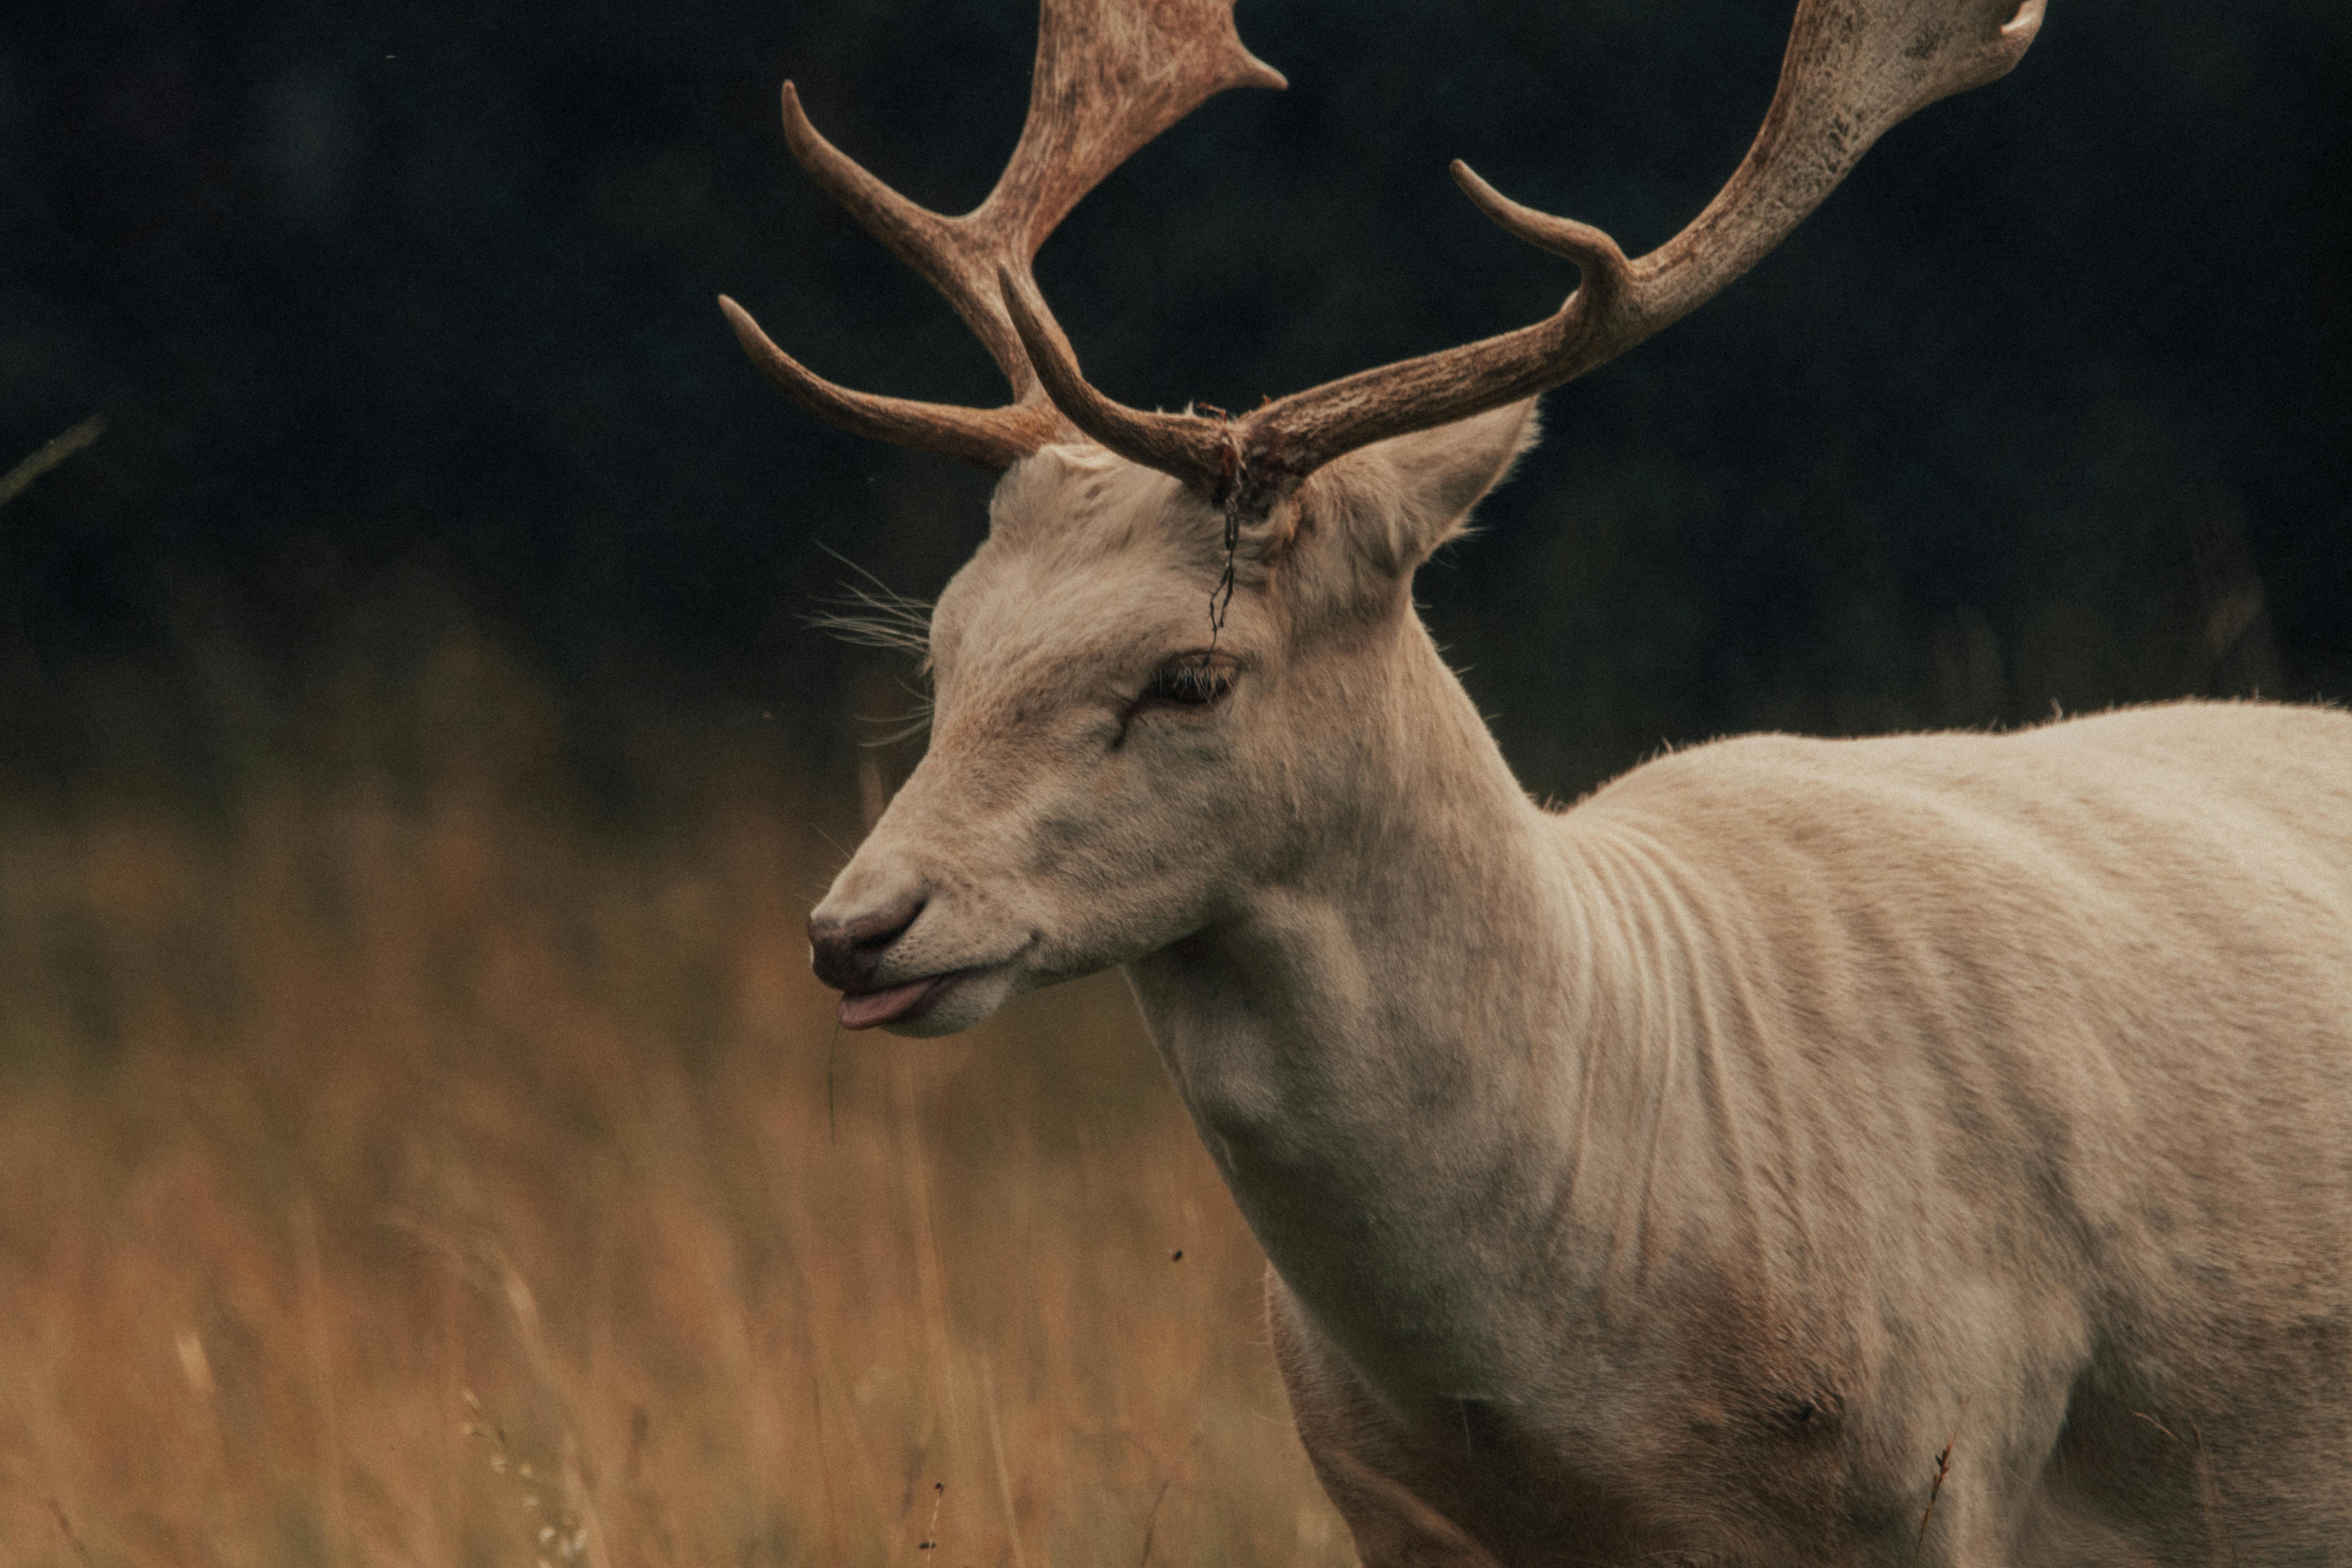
point(1397, 500)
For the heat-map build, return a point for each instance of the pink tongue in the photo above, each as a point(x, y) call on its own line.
point(863, 1012)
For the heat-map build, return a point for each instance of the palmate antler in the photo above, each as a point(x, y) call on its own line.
point(1111, 76)
point(1853, 69)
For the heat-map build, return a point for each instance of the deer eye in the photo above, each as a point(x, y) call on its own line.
point(1187, 683)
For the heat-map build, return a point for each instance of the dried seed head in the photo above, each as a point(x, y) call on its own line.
point(193, 1363)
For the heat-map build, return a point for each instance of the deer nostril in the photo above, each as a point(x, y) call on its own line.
point(871, 934)
point(845, 953)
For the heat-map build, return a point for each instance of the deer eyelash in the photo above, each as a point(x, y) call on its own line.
point(1187, 683)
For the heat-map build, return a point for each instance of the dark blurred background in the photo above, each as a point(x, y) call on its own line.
point(401, 317)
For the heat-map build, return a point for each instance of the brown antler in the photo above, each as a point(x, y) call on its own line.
point(1111, 76)
point(1853, 69)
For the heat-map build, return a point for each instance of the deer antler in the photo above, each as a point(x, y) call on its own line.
point(1111, 76)
point(1853, 69)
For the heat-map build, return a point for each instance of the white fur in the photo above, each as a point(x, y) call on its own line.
point(1673, 1178)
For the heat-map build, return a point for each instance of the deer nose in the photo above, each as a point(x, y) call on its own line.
point(848, 951)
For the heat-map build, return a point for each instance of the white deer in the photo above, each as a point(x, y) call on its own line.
point(1929, 1148)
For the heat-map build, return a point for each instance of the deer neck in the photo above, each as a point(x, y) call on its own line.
point(1380, 1050)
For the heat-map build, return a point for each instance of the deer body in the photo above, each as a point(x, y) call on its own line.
point(1932, 1149)
point(1677, 1175)
point(1791, 1109)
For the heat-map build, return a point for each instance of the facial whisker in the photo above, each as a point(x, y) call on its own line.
point(909, 726)
point(873, 614)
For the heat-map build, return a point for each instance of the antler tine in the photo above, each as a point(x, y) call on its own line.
point(1852, 70)
point(1197, 450)
point(941, 248)
point(992, 437)
point(1111, 76)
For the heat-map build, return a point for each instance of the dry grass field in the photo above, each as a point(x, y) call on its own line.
point(419, 1172)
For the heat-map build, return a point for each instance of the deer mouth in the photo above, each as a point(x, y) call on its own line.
point(870, 1009)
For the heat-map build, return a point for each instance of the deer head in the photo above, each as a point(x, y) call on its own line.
point(1185, 660)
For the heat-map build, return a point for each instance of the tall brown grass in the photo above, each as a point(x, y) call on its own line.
point(427, 1175)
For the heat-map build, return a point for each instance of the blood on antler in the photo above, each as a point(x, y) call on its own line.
point(1853, 69)
point(1111, 76)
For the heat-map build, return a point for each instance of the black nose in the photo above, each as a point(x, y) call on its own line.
point(845, 953)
